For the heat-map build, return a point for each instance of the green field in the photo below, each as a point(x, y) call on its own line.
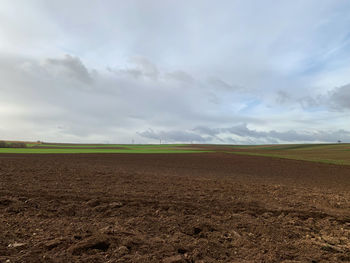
point(43, 151)
point(324, 153)
point(99, 148)
point(94, 146)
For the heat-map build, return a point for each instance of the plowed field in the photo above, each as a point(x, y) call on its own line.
point(205, 207)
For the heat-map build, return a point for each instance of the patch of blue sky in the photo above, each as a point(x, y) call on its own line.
point(315, 109)
point(250, 105)
point(325, 60)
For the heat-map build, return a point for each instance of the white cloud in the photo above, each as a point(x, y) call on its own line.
point(115, 70)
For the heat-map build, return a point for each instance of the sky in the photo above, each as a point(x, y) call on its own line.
point(194, 71)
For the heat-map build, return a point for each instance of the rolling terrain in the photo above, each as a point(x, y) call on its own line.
point(325, 153)
point(210, 206)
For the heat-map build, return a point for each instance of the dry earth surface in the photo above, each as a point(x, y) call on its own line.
point(208, 207)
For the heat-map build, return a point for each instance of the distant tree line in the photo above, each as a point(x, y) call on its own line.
point(4, 144)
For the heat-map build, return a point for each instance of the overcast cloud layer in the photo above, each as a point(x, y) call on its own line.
point(238, 72)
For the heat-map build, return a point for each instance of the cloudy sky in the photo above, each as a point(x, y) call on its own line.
point(235, 71)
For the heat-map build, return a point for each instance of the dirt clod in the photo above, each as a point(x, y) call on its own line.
point(92, 243)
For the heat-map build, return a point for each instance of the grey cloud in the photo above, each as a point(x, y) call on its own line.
point(72, 66)
point(306, 102)
point(140, 67)
point(213, 98)
point(340, 97)
point(337, 99)
point(310, 102)
point(321, 136)
point(283, 97)
point(51, 93)
point(243, 131)
point(243, 135)
point(181, 76)
point(219, 83)
point(146, 66)
point(116, 108)
point(273, 136)
point(206, 130)
point(135, 73)
point(175, 47)
point(173, 136)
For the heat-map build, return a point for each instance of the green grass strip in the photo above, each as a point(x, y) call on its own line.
point(53, 151)
point(93, 146)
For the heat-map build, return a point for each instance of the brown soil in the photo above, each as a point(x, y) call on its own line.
point(209, 207)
